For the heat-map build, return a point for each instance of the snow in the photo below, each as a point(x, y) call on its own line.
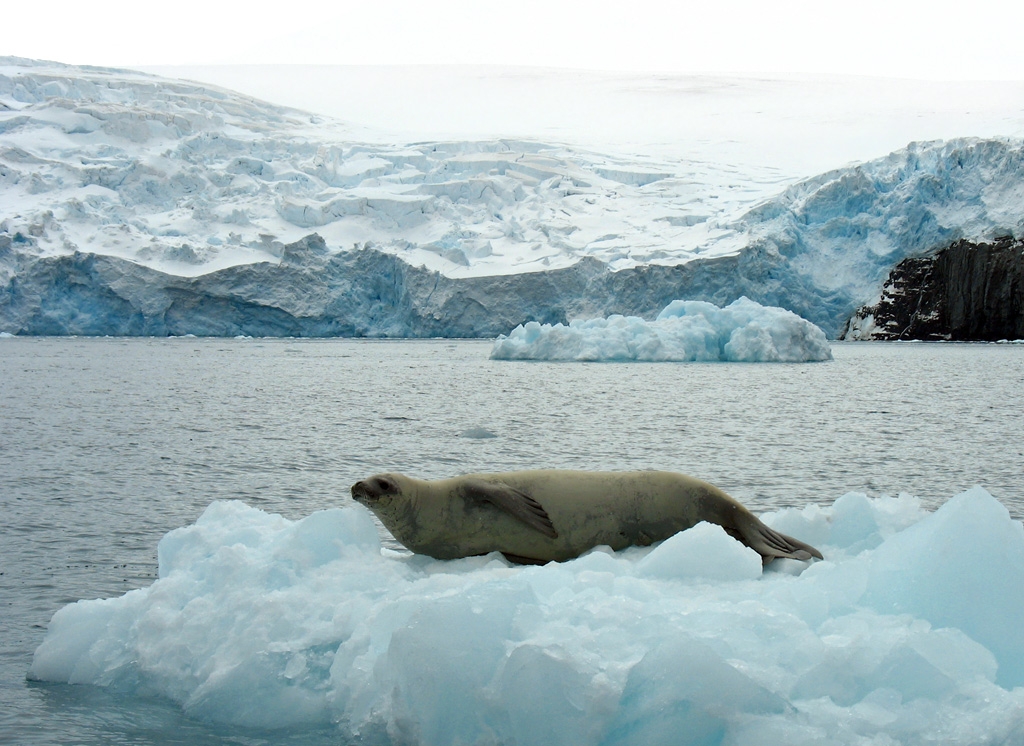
point(685, 331)
point(844, 230)
point(182, 164)
point(628, 169)
point(733, 128)
point(906, 633)
point(812, 180)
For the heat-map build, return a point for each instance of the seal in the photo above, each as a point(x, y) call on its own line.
point(534, 517)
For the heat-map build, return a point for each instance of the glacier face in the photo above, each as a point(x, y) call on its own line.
point(845, 229)
point(139, 205)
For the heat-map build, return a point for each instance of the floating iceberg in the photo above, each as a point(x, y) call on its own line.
point(908, 632)
point(685, 331)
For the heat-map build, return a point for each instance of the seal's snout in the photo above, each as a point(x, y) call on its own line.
point(369, 490)
point(359, 492)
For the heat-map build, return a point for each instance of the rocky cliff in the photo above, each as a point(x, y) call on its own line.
point(967, 291)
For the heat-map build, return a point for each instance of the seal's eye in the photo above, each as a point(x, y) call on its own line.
point(385, 485)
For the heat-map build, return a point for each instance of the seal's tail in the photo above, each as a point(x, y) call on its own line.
point(771, 544)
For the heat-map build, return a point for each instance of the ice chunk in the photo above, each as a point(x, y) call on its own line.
point(683, 692)
point(538, 678)
point(477, 433)
point(908, 632)
point(704, 552)
point(961, 567)
point(685, 331)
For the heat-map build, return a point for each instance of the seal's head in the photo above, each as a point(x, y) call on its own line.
point(392, 498)
point(377, 491)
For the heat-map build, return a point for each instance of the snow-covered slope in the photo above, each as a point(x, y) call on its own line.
point(188, 179)
point(842, 231)
point(181, 180)
point(770, 128)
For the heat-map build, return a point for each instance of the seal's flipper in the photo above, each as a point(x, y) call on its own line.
point(517, 504)
point(770, 544)
point(516, 559)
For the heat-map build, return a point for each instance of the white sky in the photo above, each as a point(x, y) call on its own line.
point(933, 39)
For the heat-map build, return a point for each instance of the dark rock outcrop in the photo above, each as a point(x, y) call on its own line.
point(965, 292)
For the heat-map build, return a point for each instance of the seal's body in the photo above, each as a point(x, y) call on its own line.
point(540, 516)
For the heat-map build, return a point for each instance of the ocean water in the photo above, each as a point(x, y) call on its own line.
point(108, 444)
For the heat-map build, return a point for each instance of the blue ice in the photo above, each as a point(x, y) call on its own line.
point(685, 331)
point(908, 632)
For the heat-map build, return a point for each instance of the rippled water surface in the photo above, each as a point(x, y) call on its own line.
point(106, 444)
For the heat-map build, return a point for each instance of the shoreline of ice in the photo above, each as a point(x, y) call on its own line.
point(685, 331)
point(908, 632)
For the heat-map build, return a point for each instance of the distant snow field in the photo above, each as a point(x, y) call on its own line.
point(493, 172)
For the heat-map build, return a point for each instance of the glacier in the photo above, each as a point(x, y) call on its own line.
point(684, 331)
point(908, 632)
point(134, 204)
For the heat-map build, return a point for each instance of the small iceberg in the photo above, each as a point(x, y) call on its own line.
point(685, 331)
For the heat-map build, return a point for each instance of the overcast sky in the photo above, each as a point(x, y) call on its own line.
point(936, 39)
